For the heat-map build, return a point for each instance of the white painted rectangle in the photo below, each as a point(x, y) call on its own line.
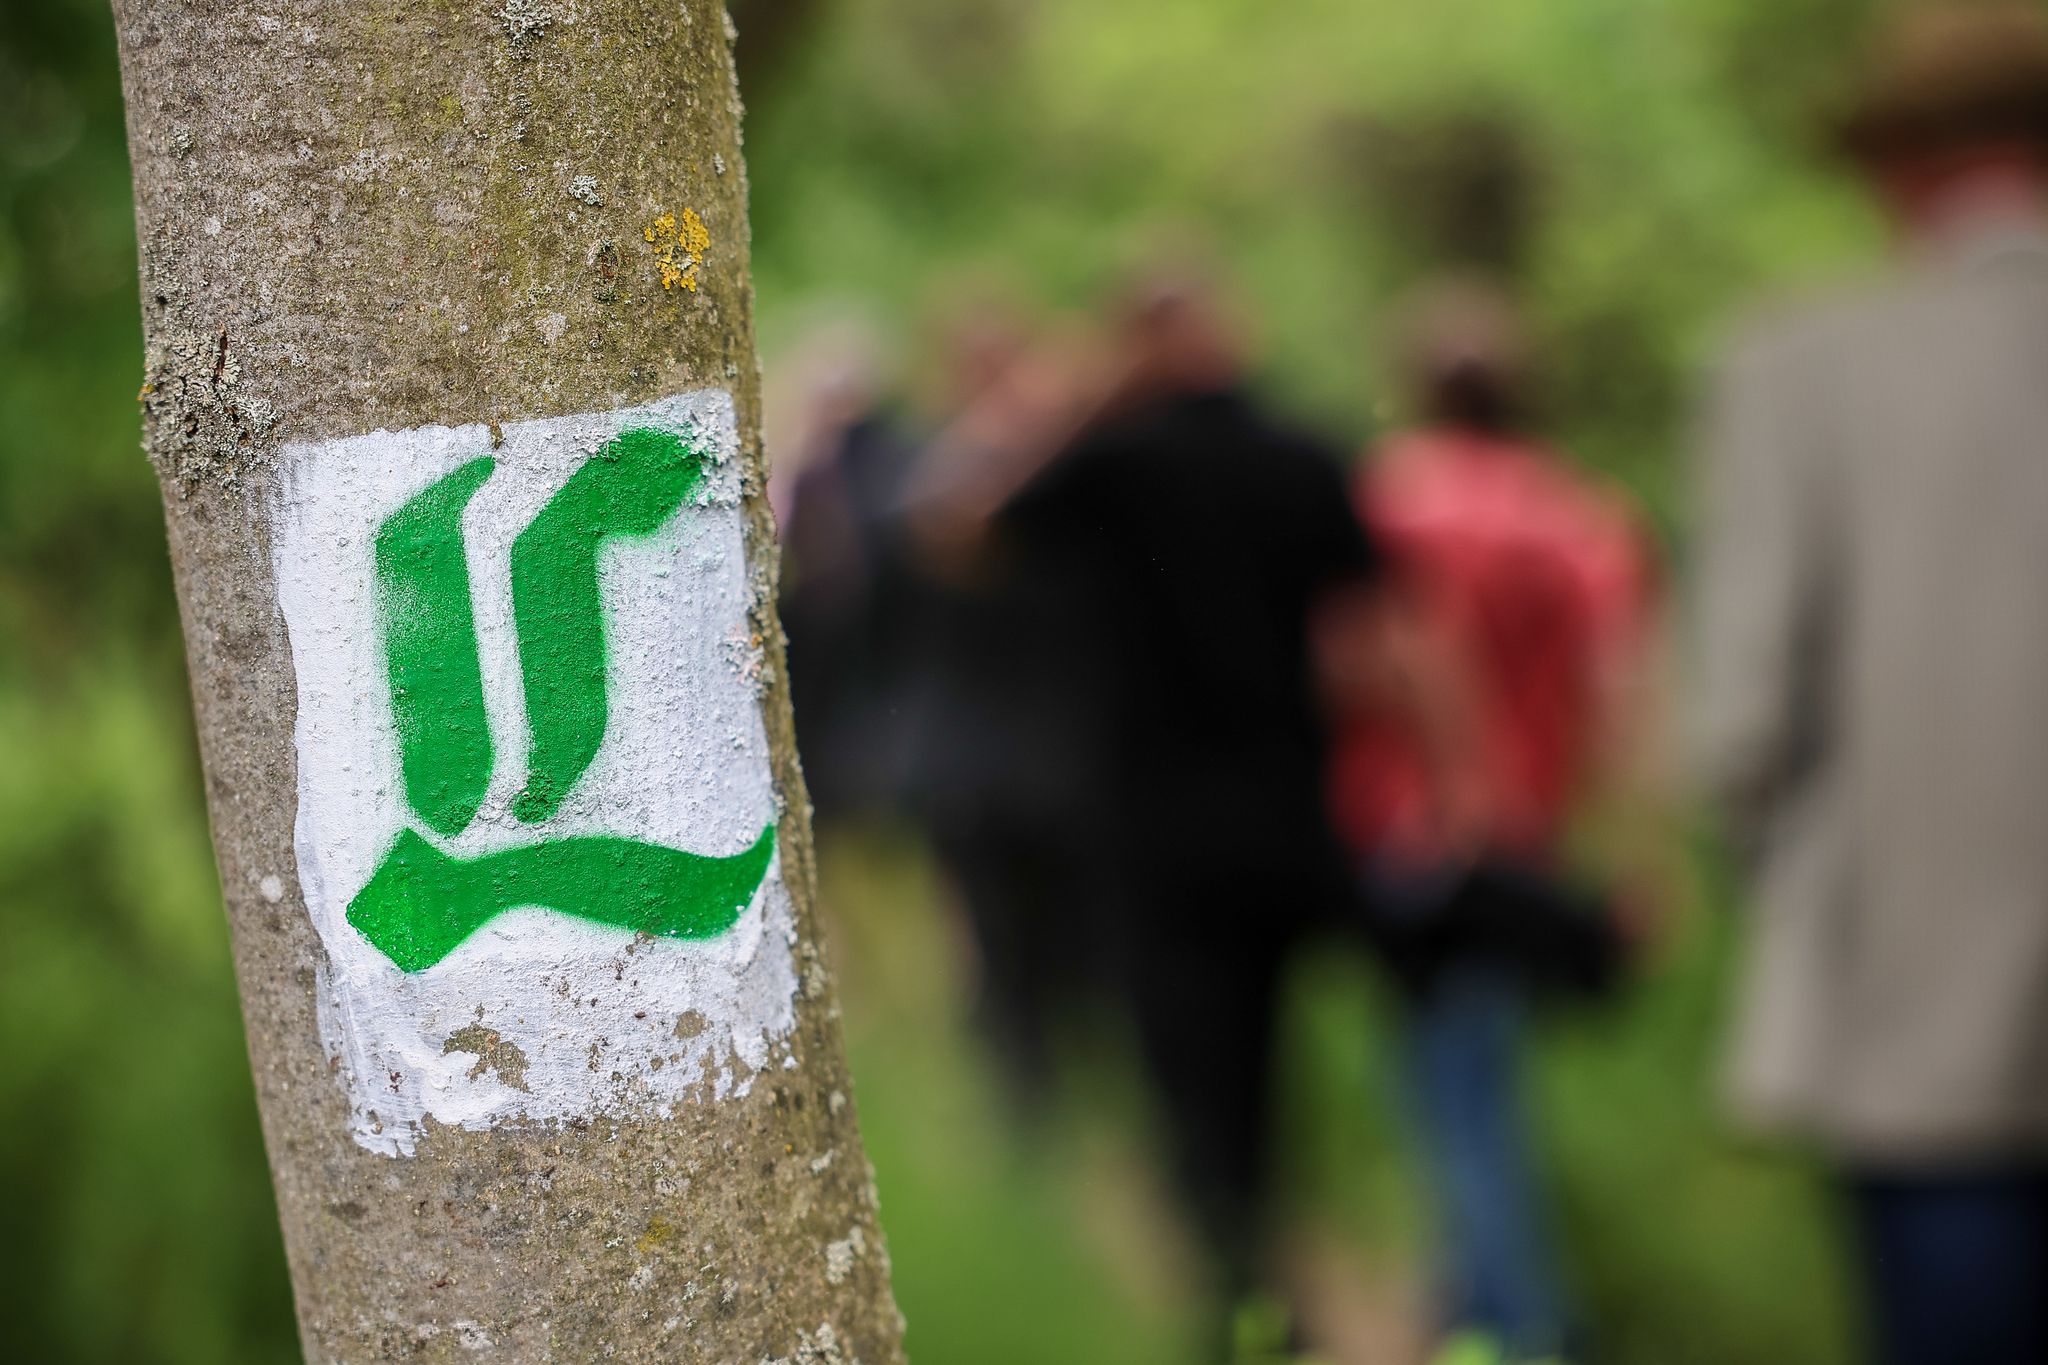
point(536, 1016)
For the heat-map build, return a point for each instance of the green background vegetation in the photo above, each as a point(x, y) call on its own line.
point(1640, 167)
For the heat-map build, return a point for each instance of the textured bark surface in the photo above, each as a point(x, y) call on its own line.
point(399, 212)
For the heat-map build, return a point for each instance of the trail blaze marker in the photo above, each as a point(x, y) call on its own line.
point(533, 783)
point(422, 904)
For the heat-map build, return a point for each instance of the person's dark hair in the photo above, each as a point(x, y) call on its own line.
point(1936, 75)
point(1465, 357)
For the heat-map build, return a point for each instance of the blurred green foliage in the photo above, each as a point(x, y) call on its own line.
point(1662, 155)
point(1637, 166)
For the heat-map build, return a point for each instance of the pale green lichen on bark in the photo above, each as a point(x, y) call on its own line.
point(362, 216)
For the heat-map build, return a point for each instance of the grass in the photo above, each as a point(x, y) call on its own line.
point(1055, 1240)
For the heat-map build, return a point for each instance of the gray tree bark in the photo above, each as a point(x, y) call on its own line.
point(386, 214)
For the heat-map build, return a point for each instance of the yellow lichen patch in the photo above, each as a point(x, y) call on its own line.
point(659, 1231)
point(679, 248)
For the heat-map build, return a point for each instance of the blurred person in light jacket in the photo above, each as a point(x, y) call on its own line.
point(1872, 695)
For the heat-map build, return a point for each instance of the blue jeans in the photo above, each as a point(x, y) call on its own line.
point(1956, 1266)
point(1464, 1046)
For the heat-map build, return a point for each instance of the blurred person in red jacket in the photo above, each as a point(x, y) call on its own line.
point(1872, 655)
point(1517, 614)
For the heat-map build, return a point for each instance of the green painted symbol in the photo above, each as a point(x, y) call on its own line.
point(422, 903)
point(630, 488)
point(437, 685)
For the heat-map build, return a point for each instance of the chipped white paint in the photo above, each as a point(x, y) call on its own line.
point(603, 1022)
point(815, 1348)
point(840, 1255)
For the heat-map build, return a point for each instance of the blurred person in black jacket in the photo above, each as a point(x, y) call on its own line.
point(848, 597)
point(1007, 732)
point(1191, 536)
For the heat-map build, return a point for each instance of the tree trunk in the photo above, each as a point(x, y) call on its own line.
point(452, 393)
